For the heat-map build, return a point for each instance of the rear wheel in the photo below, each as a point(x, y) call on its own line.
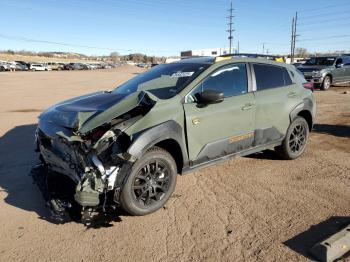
point(326, 84)
point(151, 182)
point(296, 139)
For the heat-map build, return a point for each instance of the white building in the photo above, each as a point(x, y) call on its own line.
point(206, 52)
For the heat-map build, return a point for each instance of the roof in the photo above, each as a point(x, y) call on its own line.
point(229, 58)
point(198, 60)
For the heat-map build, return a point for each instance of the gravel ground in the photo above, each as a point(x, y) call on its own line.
point(255, 208)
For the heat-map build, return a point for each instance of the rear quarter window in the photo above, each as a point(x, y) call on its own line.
point(270, 76)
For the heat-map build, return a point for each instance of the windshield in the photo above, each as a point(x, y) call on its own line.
point(325, 61)
point(164, 81)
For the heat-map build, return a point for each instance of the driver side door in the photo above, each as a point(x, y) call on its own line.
point(338, 72)
point(220, 129)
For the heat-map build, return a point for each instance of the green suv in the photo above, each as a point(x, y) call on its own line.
point(125, 147)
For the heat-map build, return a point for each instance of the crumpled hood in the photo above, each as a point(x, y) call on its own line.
point(77, 113)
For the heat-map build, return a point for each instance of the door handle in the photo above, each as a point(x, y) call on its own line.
point(247, 107)
point(292, 94)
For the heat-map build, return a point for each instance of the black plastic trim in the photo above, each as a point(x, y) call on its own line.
point(149, 137)
point(306, 105)
point(225, 146)
point(231, 156)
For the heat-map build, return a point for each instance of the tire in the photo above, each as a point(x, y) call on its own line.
point(147, 190)
point(326, 84)
point(295, 142)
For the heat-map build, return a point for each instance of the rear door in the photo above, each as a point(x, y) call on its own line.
point(219, 129)
point(275, 97)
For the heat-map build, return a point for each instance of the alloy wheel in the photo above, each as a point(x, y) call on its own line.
point(327, 83)
point(297, 139)
point(151, 183)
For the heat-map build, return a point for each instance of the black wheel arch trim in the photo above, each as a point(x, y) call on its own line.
point(169, 130)
point(306, 105)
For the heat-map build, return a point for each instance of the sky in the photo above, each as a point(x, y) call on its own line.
point(166, 27)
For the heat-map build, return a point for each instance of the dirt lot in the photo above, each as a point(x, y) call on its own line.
point(256, 208)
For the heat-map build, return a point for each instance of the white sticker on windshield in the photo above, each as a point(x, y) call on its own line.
point(182, 74)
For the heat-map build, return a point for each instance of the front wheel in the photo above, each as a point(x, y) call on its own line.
point(326, 84)
point(151, 182)
point(296, 139)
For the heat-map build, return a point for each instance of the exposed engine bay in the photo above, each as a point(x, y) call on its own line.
point(83, 167)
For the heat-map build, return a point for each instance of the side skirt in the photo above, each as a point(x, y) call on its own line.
point(246, 152)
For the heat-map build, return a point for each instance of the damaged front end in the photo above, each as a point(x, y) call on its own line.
point(82, 146)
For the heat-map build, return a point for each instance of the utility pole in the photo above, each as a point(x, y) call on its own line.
point(263, 49)
point(238, 47)
point(294, 37)
point(295, 33)
point(230, 30)
point(292, 42)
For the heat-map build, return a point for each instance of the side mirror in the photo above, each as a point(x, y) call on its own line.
point(210, 97)
point(339, 65)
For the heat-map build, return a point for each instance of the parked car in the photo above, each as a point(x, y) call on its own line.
point(91, 66)
point(55, 65)
point(75, 66)
point(327, 70)
point(21, 67)
point(24, 64)
point(142, 65)
point(7, 66)
point(39, 67)
point(4, 66)
point(300, 62)
point(104, 66)
point(125, 147)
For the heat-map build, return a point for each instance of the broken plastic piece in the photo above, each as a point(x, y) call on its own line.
point(333, 247)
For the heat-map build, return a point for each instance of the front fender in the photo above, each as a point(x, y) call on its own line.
point(147, 138)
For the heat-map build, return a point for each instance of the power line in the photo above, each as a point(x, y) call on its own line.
point(323, 14)
point(323, 21)
point(25, 39)
point(322, 8)
point(230, 30)
point(323, 38)
point(324, 27)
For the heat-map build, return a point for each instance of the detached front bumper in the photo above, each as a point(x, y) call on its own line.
point(71, 176)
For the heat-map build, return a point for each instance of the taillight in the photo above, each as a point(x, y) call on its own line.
point(309, 86)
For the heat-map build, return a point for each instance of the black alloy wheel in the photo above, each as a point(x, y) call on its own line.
point(151, 183)
point(297, 139)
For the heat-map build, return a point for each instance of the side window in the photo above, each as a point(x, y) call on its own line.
point(339, 61)
point(269, 76)
point(231, 80)
point(346, 61)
